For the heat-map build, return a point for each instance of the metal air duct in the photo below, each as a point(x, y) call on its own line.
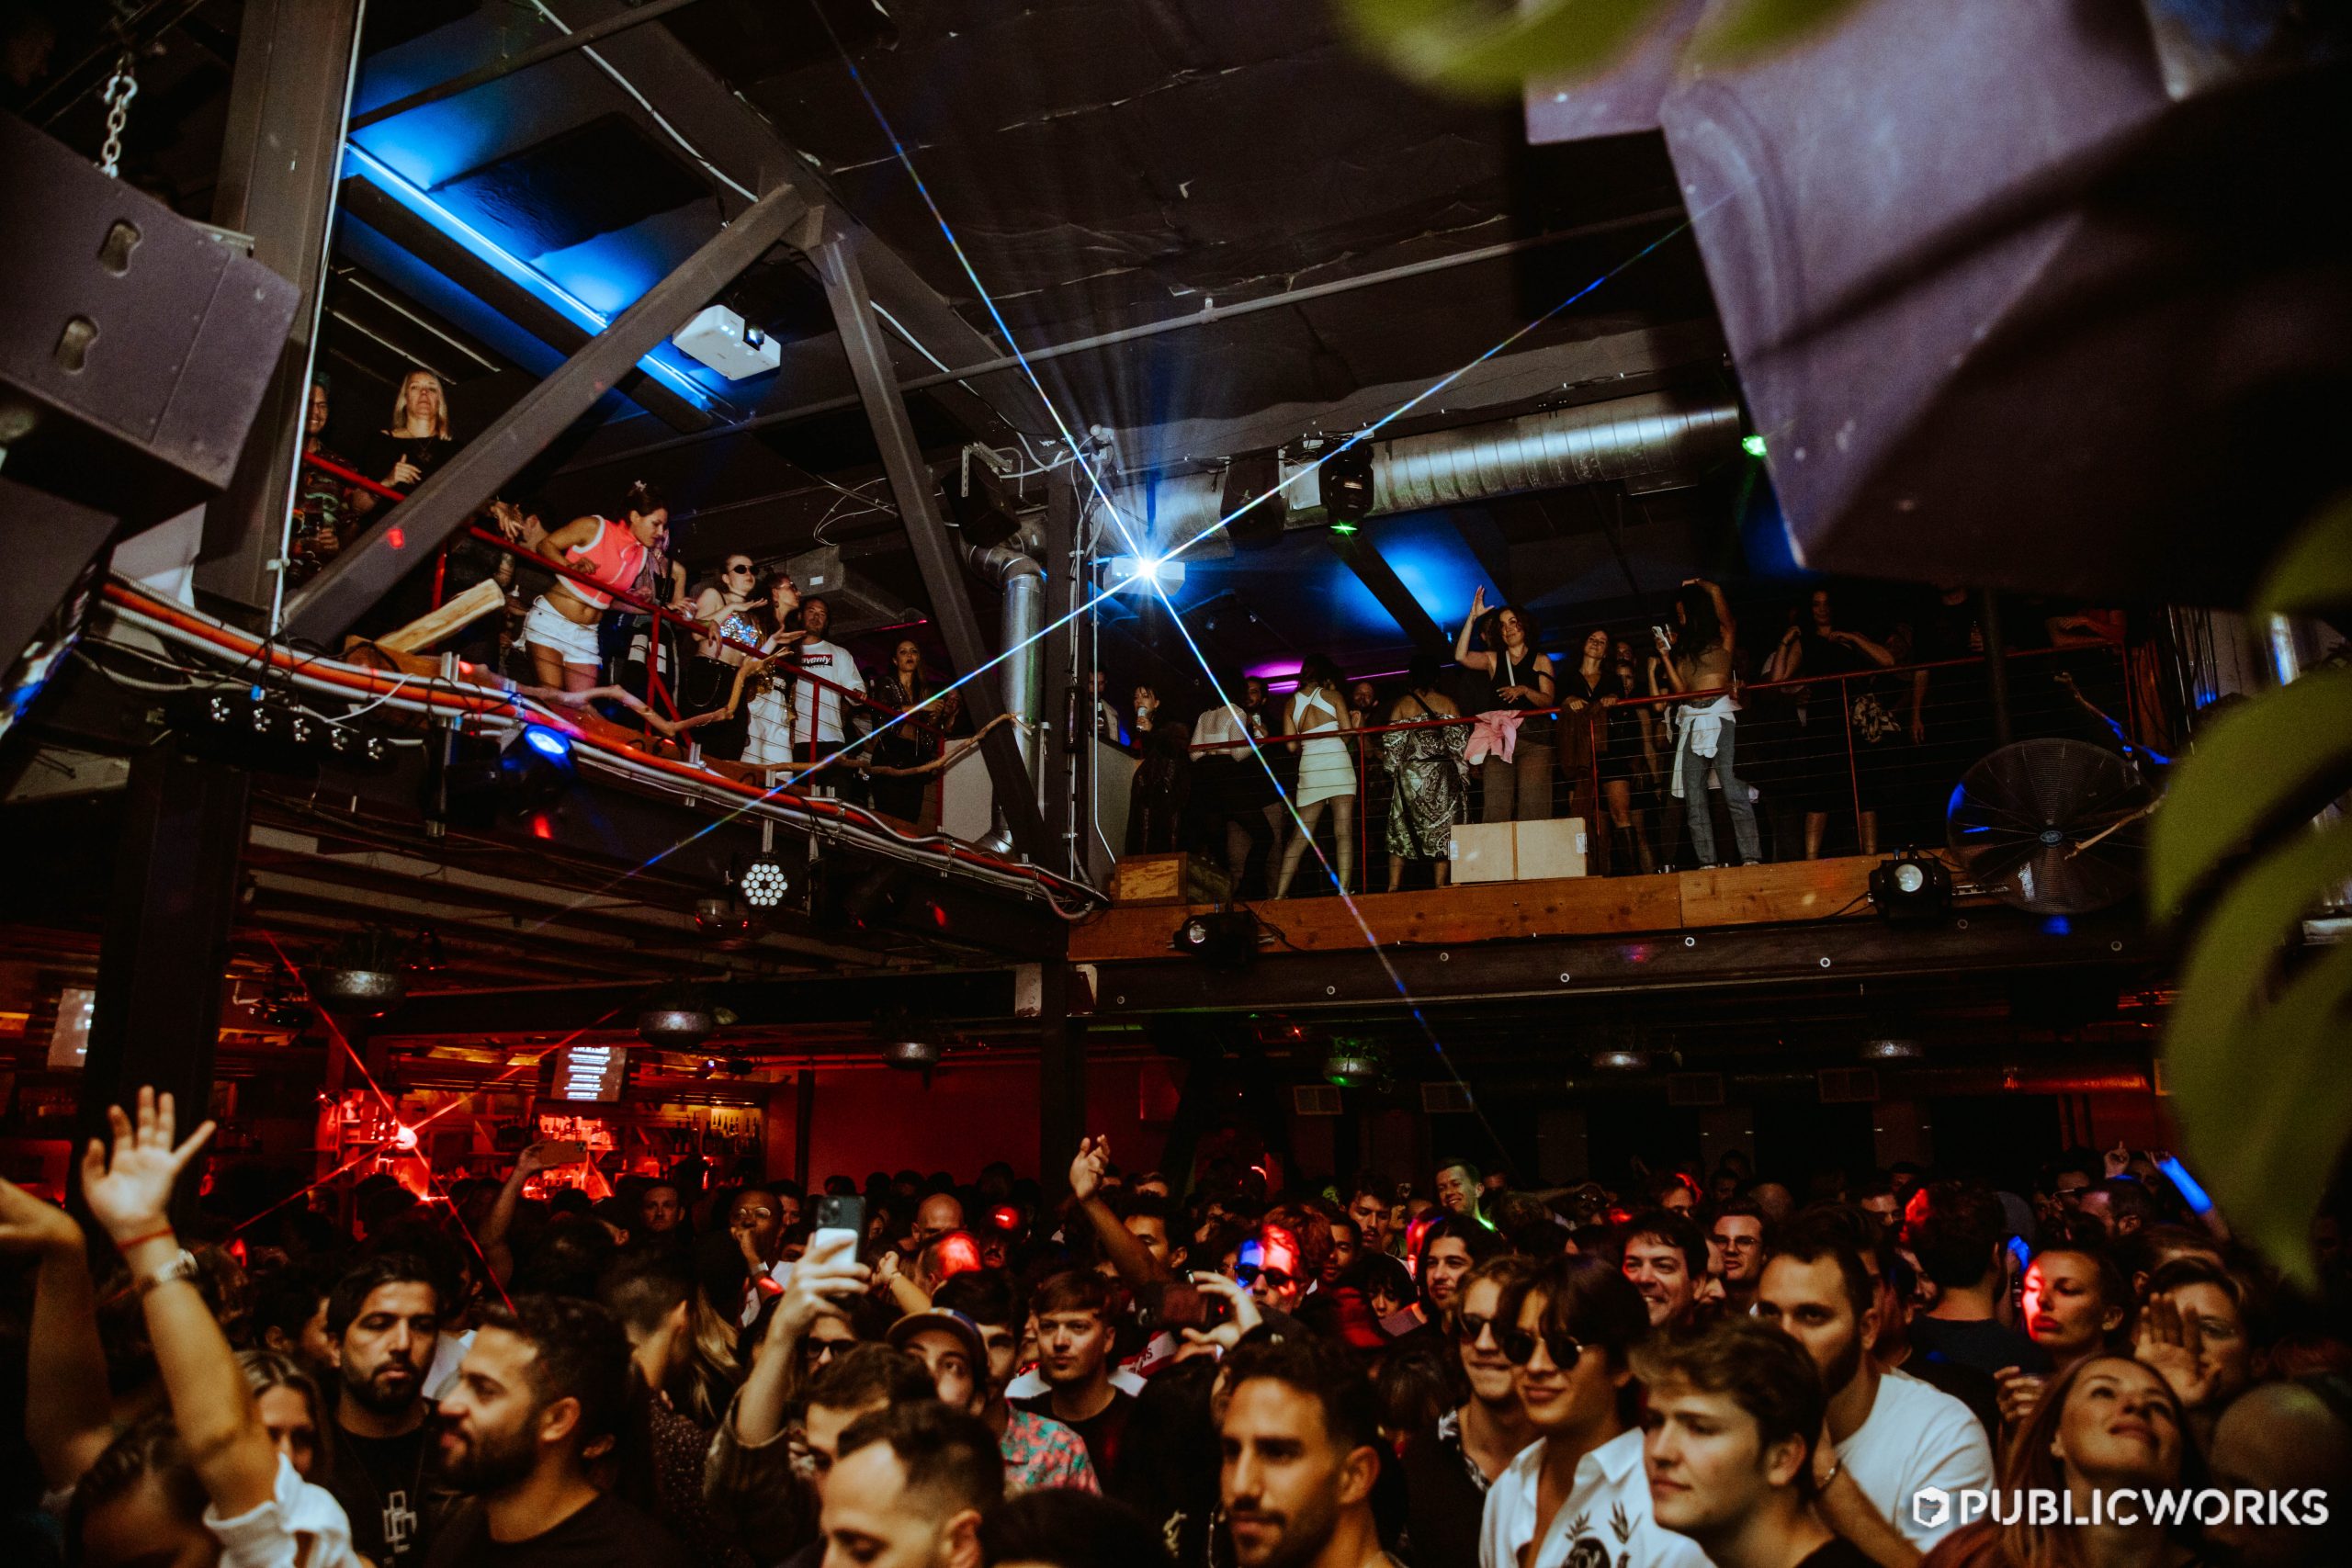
point(1653, 440)
point(1023, 671)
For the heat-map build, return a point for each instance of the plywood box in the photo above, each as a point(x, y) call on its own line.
point(1549, 849)
point(1170, 879)
point(1482, 851)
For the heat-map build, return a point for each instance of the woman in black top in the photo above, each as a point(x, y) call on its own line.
point(1597, 737)
point(401, 456)
point(902, 745)
point(1520, 789)
point(1830, 710)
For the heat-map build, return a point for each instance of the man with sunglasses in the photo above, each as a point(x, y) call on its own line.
point(1578, 1492)
point(1270, 1268)
point(1449, 1467)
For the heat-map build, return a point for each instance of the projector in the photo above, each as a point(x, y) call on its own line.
point(724, 341)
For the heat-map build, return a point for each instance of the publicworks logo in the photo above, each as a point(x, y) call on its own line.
point(1930, 1507)
point(1933, 1507)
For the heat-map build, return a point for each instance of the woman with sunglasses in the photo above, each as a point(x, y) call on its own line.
point(1579, 1493)
point(727, 612)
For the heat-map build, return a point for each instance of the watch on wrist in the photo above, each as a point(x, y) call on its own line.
point(180, 1268)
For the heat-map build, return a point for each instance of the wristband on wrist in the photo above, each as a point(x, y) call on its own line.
point(164, 1234)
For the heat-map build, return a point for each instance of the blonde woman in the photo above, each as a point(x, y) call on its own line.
point(416, 442)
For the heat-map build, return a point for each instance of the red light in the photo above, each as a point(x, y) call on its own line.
point(396, 538)
point(541, 826)
point(1006, 1216)
point(959, 1254)
point(765, 1284)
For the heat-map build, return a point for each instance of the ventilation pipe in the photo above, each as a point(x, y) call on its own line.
point(1023, 672)
point(1655, 441)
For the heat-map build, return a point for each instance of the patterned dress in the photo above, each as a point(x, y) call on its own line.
point(1433, 782)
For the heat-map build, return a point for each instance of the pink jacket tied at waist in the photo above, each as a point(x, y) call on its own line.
point(1496, 734)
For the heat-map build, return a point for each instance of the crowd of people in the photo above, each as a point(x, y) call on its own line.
point(748, 672)
point(1682, 1370)
point(1706, 741)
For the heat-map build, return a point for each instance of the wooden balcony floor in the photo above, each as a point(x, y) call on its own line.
point(1576, 905)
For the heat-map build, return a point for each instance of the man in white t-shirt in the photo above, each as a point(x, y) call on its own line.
point(1573, 1327)
point(817, 710)
point(1891, 1435)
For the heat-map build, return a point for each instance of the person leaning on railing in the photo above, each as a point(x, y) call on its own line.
point(1515, 775)
point(561, 630)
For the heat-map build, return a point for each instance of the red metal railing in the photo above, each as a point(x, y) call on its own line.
point(928, 734)
point(1906, 775)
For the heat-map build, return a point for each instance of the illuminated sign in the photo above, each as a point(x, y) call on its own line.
point(590, 1073)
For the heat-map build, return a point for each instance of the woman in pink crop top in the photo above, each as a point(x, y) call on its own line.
point(562, 628)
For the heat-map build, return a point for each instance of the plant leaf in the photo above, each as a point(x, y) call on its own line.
point(1737, 32)
point(2249, 767)
point(1472, 47)
point(2313, 572)
point(2268, 1128)
point(2230, 966)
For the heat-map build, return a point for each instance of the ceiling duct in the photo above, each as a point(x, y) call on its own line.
point(1652, 441)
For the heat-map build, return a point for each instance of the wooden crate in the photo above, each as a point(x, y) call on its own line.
point(1170, 879)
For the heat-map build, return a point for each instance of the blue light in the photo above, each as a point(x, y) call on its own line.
point(412, 194)
point(548, 743)
point(2191, 1192)
point(2057, 925)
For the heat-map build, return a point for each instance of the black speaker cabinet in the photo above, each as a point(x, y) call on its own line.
point(134, 347)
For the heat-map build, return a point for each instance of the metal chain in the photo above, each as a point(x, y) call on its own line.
point(121, 87)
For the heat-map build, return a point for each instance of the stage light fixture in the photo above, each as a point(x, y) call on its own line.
point(1222, 938)
point(1912, 888)
point(1752, 443)
point(1354, 1064)
point(1892, 1051)
point(764, 881)
point(721, 917)
point(1621, 1060)
point(548, 743)
point(1345, 479)
point(529, 769)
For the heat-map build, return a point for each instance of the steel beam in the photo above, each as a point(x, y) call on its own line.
point(287, 100)
point(1372, 569)
point(947, 996)
point(442, 505)
point(497, 70)
point(370, 203)
point(942, 574)
point(751, 153)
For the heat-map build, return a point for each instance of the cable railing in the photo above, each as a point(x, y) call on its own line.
point(662, 621)
point(1856, 761)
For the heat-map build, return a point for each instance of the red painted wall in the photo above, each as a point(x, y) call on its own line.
point(867, 1119)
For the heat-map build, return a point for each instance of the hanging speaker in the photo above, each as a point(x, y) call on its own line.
point(1253, 502)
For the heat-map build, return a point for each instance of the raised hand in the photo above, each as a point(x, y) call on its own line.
point(1478, 601)
point(2018, 1392)
point(129, 1194)
point(2118, 1160)
point(1246, 1315)
point(1087, 1171)
point(403, 473)
point(29, 1227)
point(2171, 1341)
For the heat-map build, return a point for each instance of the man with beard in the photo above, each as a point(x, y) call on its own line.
point(383, 1321)
point(1301, 1441)
point(661, 1211)
point(1891, 1436)
point(544, 1383)
point(1369, 1207)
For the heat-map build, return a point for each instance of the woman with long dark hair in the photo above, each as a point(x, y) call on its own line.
point(1602, 740)
point(611, 553)
point(1431, 782)
point(764, 686)
point(1698, 665)
point(1828, 711)
point(903, 686)
point(726, 613)
point(1515, 780)
point(1326, 774)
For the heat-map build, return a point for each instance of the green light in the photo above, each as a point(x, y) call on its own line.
point(1752, 444)
point(1343, 529)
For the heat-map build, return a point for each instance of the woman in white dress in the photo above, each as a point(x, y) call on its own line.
point(1326, 774)
point(768, 741)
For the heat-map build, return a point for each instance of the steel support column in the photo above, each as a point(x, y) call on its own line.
point(439, 507)
point(288, 102)
point(1061, 1079)
point(1372, 569)
point(912, 486)
point(166, 946)
point(1066, 746)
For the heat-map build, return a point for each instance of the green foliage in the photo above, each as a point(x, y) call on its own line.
point(2253, 1050)
point(1491, 47)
